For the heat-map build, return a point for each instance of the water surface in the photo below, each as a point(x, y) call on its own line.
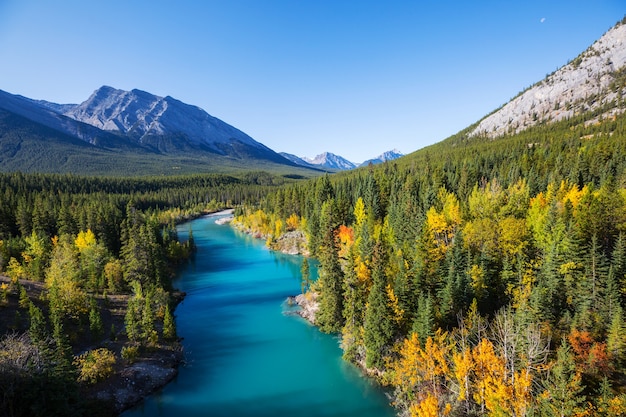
point(246, 355)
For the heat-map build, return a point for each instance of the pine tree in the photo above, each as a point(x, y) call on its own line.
point(95, 320)
point(424, 323)
point(330, 314)
point(305, 273)
point(379, 326)
point(563, 389)
point(169, 326)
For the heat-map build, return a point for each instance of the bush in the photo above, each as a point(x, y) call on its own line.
point(130, 353)
point(95, 365)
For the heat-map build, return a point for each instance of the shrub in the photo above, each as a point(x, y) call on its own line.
point(95, 365)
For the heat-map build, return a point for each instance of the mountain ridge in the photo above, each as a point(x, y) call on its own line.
point(146, 133)
point(592, 81)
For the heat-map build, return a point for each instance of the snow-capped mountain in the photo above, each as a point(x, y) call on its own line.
point(386, 156)
point(334, 162)
point(331, 161)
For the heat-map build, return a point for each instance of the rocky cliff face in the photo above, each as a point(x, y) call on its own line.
point(148, 119)
point(595, 80)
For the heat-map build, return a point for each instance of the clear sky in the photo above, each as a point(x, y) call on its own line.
point(355, 78)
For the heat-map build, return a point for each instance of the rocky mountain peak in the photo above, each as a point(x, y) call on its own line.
point(592, 81)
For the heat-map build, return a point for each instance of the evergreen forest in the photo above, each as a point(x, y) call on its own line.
point(477, 276)
point(86, 268)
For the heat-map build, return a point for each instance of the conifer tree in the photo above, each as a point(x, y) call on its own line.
point(169, 326)
point(563, 388)
point(330, 314)
point(379, 326)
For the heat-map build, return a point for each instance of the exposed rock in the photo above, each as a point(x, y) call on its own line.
point(291, 243)
point(586, 83)
point(308, 305)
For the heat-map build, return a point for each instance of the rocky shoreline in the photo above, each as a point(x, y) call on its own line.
point(133, 383)
point(308, 305)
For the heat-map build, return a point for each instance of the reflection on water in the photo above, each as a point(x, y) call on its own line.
point(246, 355)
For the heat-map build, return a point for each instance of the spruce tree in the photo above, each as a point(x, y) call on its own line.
point(169, 326)
point(330, 314)
point(379, 321)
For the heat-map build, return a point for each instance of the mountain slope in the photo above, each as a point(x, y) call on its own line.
point(127, 133)
point(593, 82)
point(166, 125)
point(297, 160)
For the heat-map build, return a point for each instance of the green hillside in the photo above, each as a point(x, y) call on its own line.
point(477, 276)
point(26, 146)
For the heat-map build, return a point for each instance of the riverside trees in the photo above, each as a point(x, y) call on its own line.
point(504, 260)
point(84, 241)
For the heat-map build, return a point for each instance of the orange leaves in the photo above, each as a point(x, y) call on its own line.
point(423, 365)
point(463, 365)
point(345, 240)
point(430, 407)
point(591, 356)
point(422, 371)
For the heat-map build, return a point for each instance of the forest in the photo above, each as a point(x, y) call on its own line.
point(86, 268)
point(477, 276)
point(474, 277)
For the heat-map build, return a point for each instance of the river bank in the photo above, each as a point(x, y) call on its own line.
point(130, 381)
point(245, 354)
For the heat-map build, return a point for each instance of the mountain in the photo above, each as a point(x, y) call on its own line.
point(297, 160)
point(386, 156)
point(331, 161)
point(126, 132)
point(166, 125)
point(593, 82)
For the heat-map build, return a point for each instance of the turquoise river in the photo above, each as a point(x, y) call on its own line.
point(246, 355)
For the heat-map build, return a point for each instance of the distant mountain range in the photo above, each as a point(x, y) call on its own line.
point(334, 162)
point(135, 132)
point(126, 132)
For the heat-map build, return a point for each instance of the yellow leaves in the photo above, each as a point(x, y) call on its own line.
point(477, 276)
point(429, 407)
point(395, 305)
point(85, 240)
point(278, 228)
point(485, 201)
point(443, 224)
point(359, 212)
point(95, 365)
point(15, 270)
point(490, 374)
point(426, 364)
point(363, 272)
point(292, 222)
point(513, 235)
point(463, 365)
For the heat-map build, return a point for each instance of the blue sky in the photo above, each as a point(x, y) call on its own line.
point(355, 78)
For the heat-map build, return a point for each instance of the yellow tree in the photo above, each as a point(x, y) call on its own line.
point(442, 224)
point(491, 392)
point(421, 373)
